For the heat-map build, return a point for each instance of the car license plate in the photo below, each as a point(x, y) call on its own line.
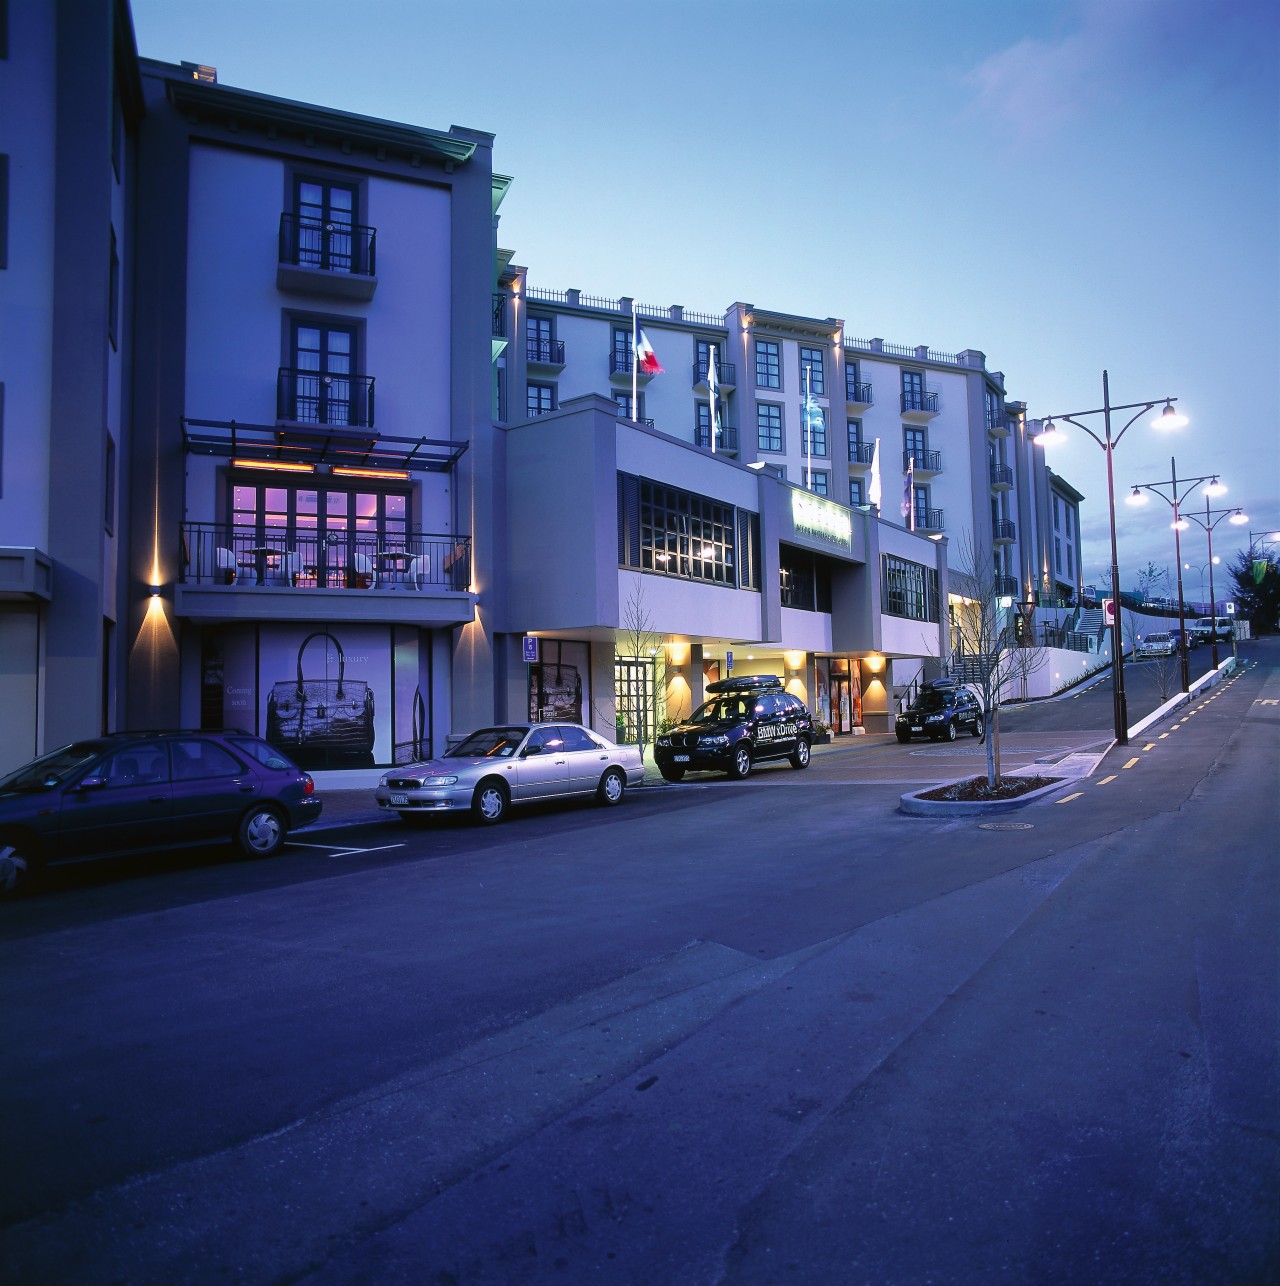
point(681, 759)
point(916, 727)
point(399, 799)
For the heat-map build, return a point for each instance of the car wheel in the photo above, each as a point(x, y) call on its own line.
point(741, 764)
point(800, 757)
point(613, 785)
point(903, 738)
point(671, 774)
point(979, 727)
point(261, 832)
point(18, 865)
point(491, 802)
point(952, 731)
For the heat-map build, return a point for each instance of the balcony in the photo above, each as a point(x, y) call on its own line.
point(726, 374)
point(1005, 586)
point(544, 354)
point(336, 260)
point(929, 520)
point(1001, 477)
point(919, 407)
point(239, 573)
point(925, 461)
point(1003, 531)
point(498, 329)
point(315, 397)
point(998, 424)
point(857, 395)
point(726, 438)
point(620, 369)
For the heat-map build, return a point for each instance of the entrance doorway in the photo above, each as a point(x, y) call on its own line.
point(633, 694)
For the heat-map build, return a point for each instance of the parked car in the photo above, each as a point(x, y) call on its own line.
point(1176, 636)
point(941, 712)
point(518, 763)
point(1159, 644)
point(133, 792)
point(745, 720)
point(1205, 628)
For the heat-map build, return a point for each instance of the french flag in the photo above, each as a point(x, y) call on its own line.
point(646, 358)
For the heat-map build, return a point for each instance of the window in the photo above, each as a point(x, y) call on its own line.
point(113, 294)
point(920, 498)
point(769, 426)
point(814, 439)
point(908, 589)
point(1057, 514)
point(811, 361)
point(768, 364)
point(540, 398)
point(851, 381)
point(820, 482)
point(804, 579)
point(702, 349)
point(675, 532)
point(197, 760)
point(537, 339)
point(109, 500)
point(702, 431)
point(621, 359)
point(1057, 555)
point(860, 452)
point(913, 444)
point(623, 402)
point(326, 219)
point(856, 493)
point(324, 362)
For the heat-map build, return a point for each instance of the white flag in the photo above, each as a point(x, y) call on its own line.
point(713, 392)
point(873, 491)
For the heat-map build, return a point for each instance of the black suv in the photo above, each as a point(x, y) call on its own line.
point(129, 792)
point(941, 712)
point(745, 720)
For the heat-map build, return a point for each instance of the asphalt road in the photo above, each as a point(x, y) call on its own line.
point(770, 1031)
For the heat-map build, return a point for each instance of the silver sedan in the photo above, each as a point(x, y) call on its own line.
point(516, 763)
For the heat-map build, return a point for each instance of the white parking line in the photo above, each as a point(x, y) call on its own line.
point(345, 852)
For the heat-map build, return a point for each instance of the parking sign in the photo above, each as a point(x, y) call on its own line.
point(531, 648)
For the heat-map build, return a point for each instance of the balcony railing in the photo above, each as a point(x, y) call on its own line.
point(544, 352)
point(320, 397)
point(329, 247)
point(1006, 586)
point(861, 452)
point(925, 461)
point(925, 402)
point(1004, 529)
point(221, 554)
point(858, 391)
point(499, 328)
point(726, 437)
point(997, 422)
point(726, 373)
point(929, 520)
point(1001, 475)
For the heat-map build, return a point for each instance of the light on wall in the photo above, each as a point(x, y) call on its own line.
point(155, 590)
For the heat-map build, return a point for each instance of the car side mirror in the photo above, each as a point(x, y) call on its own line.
point(91, 783)
point(530, 750)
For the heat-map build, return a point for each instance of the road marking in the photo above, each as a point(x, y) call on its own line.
point(1104, 781)
point(335, 851)
point(1066, 799)
point(1132, 761)
point(1151, 745)
point(1162, 736)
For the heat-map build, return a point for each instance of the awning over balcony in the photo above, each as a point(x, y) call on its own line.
point(323, 444)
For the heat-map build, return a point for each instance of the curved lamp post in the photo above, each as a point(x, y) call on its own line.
point(1049, 434)
point(1190, 567)
point(1212, 517)
point(1177, 493)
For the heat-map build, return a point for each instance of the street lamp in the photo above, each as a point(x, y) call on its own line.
point(1237, 517)
point(1167, 419)
point(1175, 497)
point(1187, 567)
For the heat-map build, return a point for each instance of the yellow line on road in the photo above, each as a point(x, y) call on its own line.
point(1151, 745)
point(1104, 781)
point(1066, 799)
point(1132, 761)
point(1162, 736)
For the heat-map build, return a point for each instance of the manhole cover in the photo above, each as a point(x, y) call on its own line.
point(1005, 826)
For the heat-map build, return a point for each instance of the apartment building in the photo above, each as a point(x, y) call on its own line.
point(288, 443)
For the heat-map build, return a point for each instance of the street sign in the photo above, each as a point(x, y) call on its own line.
point(531, 648)
point(728, 662)
point(1108, 611)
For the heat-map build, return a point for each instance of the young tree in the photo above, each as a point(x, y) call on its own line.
point(1256, 577)
point(993, 647)
point(638, 640)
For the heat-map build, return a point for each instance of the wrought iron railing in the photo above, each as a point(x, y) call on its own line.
point(226, 554)
point(913, 401)
point(321, 397)
point(1001, 475)
point(929, 520)
point(330, 247)
point(499, 328)
point(862, 452)
point(726, 437)
point(544, 352)
point(726, 372)
point(1005, 586)
point(1003, 529)
point(857, 391)
point(925, 461)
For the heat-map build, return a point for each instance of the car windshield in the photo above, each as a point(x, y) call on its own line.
point(52, 769)
point(488, 743)
point(1157, 638)
point(928, 702)
point(722, 709)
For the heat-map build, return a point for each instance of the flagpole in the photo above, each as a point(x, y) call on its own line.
point(635, 367)
point(807, 430)
point(713, 391)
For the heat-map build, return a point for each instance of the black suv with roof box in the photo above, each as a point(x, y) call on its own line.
point(745, 720)
point(941, 712)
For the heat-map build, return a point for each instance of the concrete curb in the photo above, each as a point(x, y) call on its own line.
point(913, 806)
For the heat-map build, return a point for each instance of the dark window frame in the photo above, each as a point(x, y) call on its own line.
point(816, 361)
point(768, 362)
point(907, 589)
point(762, 411)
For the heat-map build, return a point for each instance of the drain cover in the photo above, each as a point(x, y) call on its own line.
point(1005, 826)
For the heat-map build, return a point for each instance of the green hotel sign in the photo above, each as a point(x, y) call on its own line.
point(822, 519)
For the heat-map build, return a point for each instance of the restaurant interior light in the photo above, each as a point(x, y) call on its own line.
point(347, 471)
point(276, 466)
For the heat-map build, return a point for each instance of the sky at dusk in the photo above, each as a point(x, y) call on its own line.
point(1065, 185)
